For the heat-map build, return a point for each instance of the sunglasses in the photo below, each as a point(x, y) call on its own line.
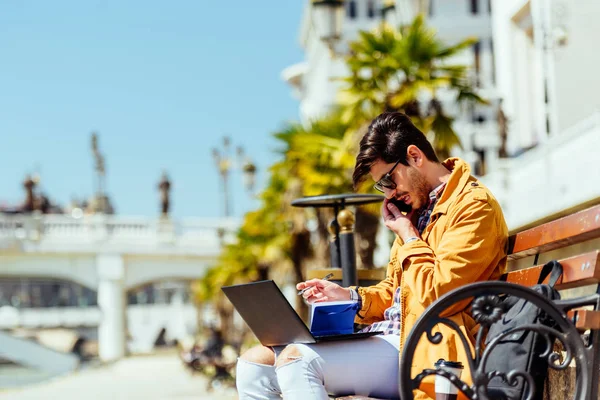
point(386, 182)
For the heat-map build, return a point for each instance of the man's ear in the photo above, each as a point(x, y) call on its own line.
point(414, 156)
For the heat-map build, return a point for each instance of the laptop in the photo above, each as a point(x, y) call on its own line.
point(271, 317)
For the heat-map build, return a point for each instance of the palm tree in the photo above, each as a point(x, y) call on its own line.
point(395, 69)
point(323, 156)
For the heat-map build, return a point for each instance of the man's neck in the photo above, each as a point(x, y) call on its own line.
point(436, 175)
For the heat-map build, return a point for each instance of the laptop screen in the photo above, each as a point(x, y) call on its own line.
point(268, 314)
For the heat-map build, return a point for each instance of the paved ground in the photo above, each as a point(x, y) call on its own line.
point(154, 377)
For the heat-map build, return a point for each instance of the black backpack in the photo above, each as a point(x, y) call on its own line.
point(520, 351)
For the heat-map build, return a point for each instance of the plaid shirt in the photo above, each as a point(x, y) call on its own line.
point(392, 316)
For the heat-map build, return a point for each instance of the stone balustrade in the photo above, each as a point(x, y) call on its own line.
point(121, 234)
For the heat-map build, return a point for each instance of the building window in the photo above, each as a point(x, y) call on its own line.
point(474, 7)
point(371, 9)
point(430, 11)
point(493, 60)
point(351, 9)
point(489, 7)
point(477, 62)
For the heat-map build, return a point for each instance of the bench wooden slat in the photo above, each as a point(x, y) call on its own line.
point(580, 270)
point(584, 318)
point(572, 229)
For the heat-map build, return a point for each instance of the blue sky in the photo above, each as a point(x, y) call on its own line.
point(161, 82)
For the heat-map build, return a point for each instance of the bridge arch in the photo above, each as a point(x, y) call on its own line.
point(140, 271)
point(45, 292)
point(80, 269)
point(163, 291)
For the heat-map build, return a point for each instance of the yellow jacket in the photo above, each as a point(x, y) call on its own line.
point(464, 242)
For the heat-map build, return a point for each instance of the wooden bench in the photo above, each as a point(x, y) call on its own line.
point(576, 236)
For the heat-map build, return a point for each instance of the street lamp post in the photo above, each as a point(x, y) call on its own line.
point(100, 171)
point(388, 12)
point(328, 18)
point(222, 162)
point(225, 164)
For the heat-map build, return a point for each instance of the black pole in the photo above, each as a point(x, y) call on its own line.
point(334, 244)
point(347, 248)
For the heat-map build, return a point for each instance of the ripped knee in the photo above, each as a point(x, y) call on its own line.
point(290, 354)
point(259, 355)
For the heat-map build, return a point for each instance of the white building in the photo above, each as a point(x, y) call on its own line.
point(455, 20)
point(313, 79)
point(546, 74)
point(537, 56)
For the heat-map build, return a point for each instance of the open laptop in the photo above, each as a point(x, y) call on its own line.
point(271, 317)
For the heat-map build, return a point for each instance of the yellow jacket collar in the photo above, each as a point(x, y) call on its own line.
point(460, 175)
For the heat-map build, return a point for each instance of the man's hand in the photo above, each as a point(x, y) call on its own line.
point(397, 222)
point(319, 291)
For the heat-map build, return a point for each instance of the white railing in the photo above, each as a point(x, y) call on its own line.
point(62, 230)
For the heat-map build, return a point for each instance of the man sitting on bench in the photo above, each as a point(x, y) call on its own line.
point(453, 234)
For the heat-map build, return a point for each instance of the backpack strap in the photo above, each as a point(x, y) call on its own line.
point(552, 268)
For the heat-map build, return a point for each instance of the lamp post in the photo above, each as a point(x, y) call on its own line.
point(328, 18)
point(388, 12)
point(100, 171)
point(225, 164)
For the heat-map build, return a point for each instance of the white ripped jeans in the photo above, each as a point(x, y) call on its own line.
point(367, 367)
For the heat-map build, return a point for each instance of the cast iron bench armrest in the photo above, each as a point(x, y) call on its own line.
point(484, 292)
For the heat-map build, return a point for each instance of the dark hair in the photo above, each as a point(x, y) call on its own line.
point(387, 139)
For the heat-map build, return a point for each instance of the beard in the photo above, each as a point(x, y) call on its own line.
point(419, 188)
